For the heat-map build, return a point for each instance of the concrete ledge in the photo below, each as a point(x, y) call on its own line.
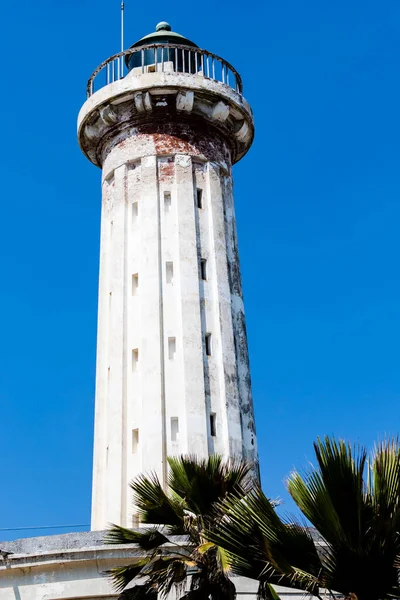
point(71, 567)
point(153, 98)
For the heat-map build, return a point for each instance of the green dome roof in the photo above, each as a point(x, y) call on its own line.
point(164, 35)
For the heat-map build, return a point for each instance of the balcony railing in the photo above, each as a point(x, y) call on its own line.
point(168, 58)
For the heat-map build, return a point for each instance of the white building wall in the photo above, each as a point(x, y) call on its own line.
point(80, 575)
point(156, 386)
point(73, 566)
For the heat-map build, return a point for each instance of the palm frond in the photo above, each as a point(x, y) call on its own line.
point(342, 470)
point(146, 540)
point(266, 591)
point(235, 530)
point(203, 482)
point(209, 583)
point(166, 572)
point(205, 547)
point(139, 592)
point(332, 496)
point(223, 560)
point(121, 535)
point(193, 595)
point(385, 492)
point(154, 505)
point(174, 576)
point(261, 546)
point(122, 576)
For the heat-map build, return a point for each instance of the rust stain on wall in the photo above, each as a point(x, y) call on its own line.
point(187, 138)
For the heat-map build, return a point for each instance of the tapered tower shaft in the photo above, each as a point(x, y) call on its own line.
point(172, 362)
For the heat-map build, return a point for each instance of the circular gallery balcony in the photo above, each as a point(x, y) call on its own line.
point(164, 78)
point(164, 58)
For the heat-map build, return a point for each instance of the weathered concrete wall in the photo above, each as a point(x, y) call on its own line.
point(152, 296)
point(160, 99)
point(172, 360)
point(72, 566)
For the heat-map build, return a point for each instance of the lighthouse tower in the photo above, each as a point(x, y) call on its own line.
point(166, 121)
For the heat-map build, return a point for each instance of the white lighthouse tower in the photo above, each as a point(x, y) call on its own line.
point(166, 121)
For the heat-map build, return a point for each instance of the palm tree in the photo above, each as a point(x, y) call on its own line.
point(172, 549)
point(353, 548)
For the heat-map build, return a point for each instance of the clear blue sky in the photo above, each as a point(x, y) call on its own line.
point(318, 213)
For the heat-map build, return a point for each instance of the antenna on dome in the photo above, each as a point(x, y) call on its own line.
point(122, 35)
point(122, 24)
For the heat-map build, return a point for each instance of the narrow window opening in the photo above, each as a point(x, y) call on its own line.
point(135, 210)
point(174, 429)
point(167, 201)
point(135, 441)
point(171, 348)
point(169, 271)
point(208, 344)
point(203, 268)
point(213, 424)
point(135, 359)
point(199, 194)
point(135, 284)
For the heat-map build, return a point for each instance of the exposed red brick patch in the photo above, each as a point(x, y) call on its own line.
point(167, 169)
point(186, 138)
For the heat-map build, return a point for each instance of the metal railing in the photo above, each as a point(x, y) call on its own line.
point(172, 58)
